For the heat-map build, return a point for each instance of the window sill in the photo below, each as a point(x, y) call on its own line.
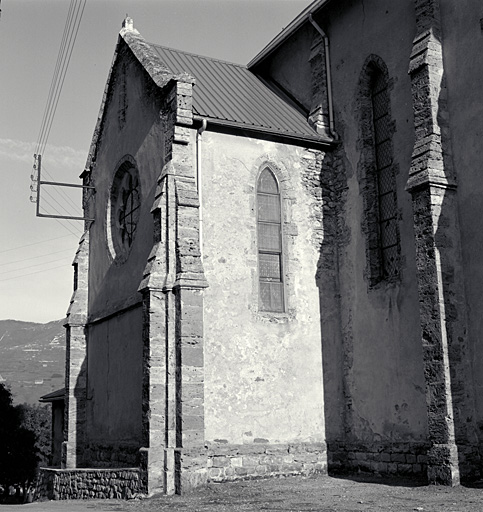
point(274, 317)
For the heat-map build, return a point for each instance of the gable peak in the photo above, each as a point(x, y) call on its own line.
point(128, 23)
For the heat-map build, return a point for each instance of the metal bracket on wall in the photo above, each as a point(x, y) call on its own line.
point(35, 191)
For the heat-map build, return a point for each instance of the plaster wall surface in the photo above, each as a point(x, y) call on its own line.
point(463, 73)
point(383, 381)
point(263, 371)
point(132, 126)
point(114, 380)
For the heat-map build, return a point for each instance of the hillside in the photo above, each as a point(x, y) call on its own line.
point(32, 358)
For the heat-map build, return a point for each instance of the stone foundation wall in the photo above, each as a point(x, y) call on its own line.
point(233, 462)
point(224, 463)
point(72, 484)
point(395, 459)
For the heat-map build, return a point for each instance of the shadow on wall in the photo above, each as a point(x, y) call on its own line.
point(447, 241)
point(336, 398)
point(442, 313)
point(75, 421)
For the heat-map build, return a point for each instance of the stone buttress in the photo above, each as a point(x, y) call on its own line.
point(75, 370)
point(173, 457)
point(443, 316)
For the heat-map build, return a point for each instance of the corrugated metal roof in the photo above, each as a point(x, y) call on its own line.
point(231, 93)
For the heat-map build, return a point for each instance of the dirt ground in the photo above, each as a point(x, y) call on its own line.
point(297, 494)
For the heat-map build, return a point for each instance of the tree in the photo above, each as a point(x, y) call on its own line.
point(18, 453)
point(38, 419)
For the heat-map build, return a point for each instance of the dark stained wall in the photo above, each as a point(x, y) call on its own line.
point(463, 76)
point(132, 127)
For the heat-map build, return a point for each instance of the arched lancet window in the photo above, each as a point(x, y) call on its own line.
point(269, 227)
point(388, 239)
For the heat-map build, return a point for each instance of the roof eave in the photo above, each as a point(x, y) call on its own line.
point(287, 32)
point(50, 400)
point(295, 137)
point(54, 396)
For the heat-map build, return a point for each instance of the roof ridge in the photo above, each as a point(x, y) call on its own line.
point(243, 66)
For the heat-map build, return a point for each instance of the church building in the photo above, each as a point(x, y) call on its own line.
point(281, 268)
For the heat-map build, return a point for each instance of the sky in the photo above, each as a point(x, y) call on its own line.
point(36, 253)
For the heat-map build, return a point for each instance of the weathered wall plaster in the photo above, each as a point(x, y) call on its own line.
point(382, 375)
point(114, 384)
point(463, 74)
point(137, 130)
point(263, 371)
point(132, 126)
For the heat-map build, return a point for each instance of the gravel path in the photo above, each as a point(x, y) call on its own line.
point(296, 494)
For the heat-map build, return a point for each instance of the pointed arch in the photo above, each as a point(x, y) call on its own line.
point(270, 244)
point(377, 173)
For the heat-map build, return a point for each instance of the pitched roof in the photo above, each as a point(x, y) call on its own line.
point(231, 94)
point(59, 394)
point(225, 93)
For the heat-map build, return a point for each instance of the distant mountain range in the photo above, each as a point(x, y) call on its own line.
point(32, 358)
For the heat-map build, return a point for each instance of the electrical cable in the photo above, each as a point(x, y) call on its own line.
point(33, 258)
point(34, 243)
point(32, 273)
point(61, 77)
point(36, 265)
point(62, 193)
point(59, 71)
point(74, 226)
point(66, 212)
point(55, 75)
point(69, 37)
point(59, 213)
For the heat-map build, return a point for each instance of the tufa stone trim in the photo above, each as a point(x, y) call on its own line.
point(443, 315)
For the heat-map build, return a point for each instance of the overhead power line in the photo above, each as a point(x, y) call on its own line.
point(12, 271)
point(75, 233)
point(35, 243)
point(69, 37)
point(71, 29)
point(32, 273)
point(36, 257)
point(63, 195)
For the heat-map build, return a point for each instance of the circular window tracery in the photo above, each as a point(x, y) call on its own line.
point(124, 209)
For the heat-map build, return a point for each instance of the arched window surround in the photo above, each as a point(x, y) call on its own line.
point(270, 248)
point(377, 174)
point(121, 228)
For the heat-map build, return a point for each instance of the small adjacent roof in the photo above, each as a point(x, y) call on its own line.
point(232, 94)
point(54, 396)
